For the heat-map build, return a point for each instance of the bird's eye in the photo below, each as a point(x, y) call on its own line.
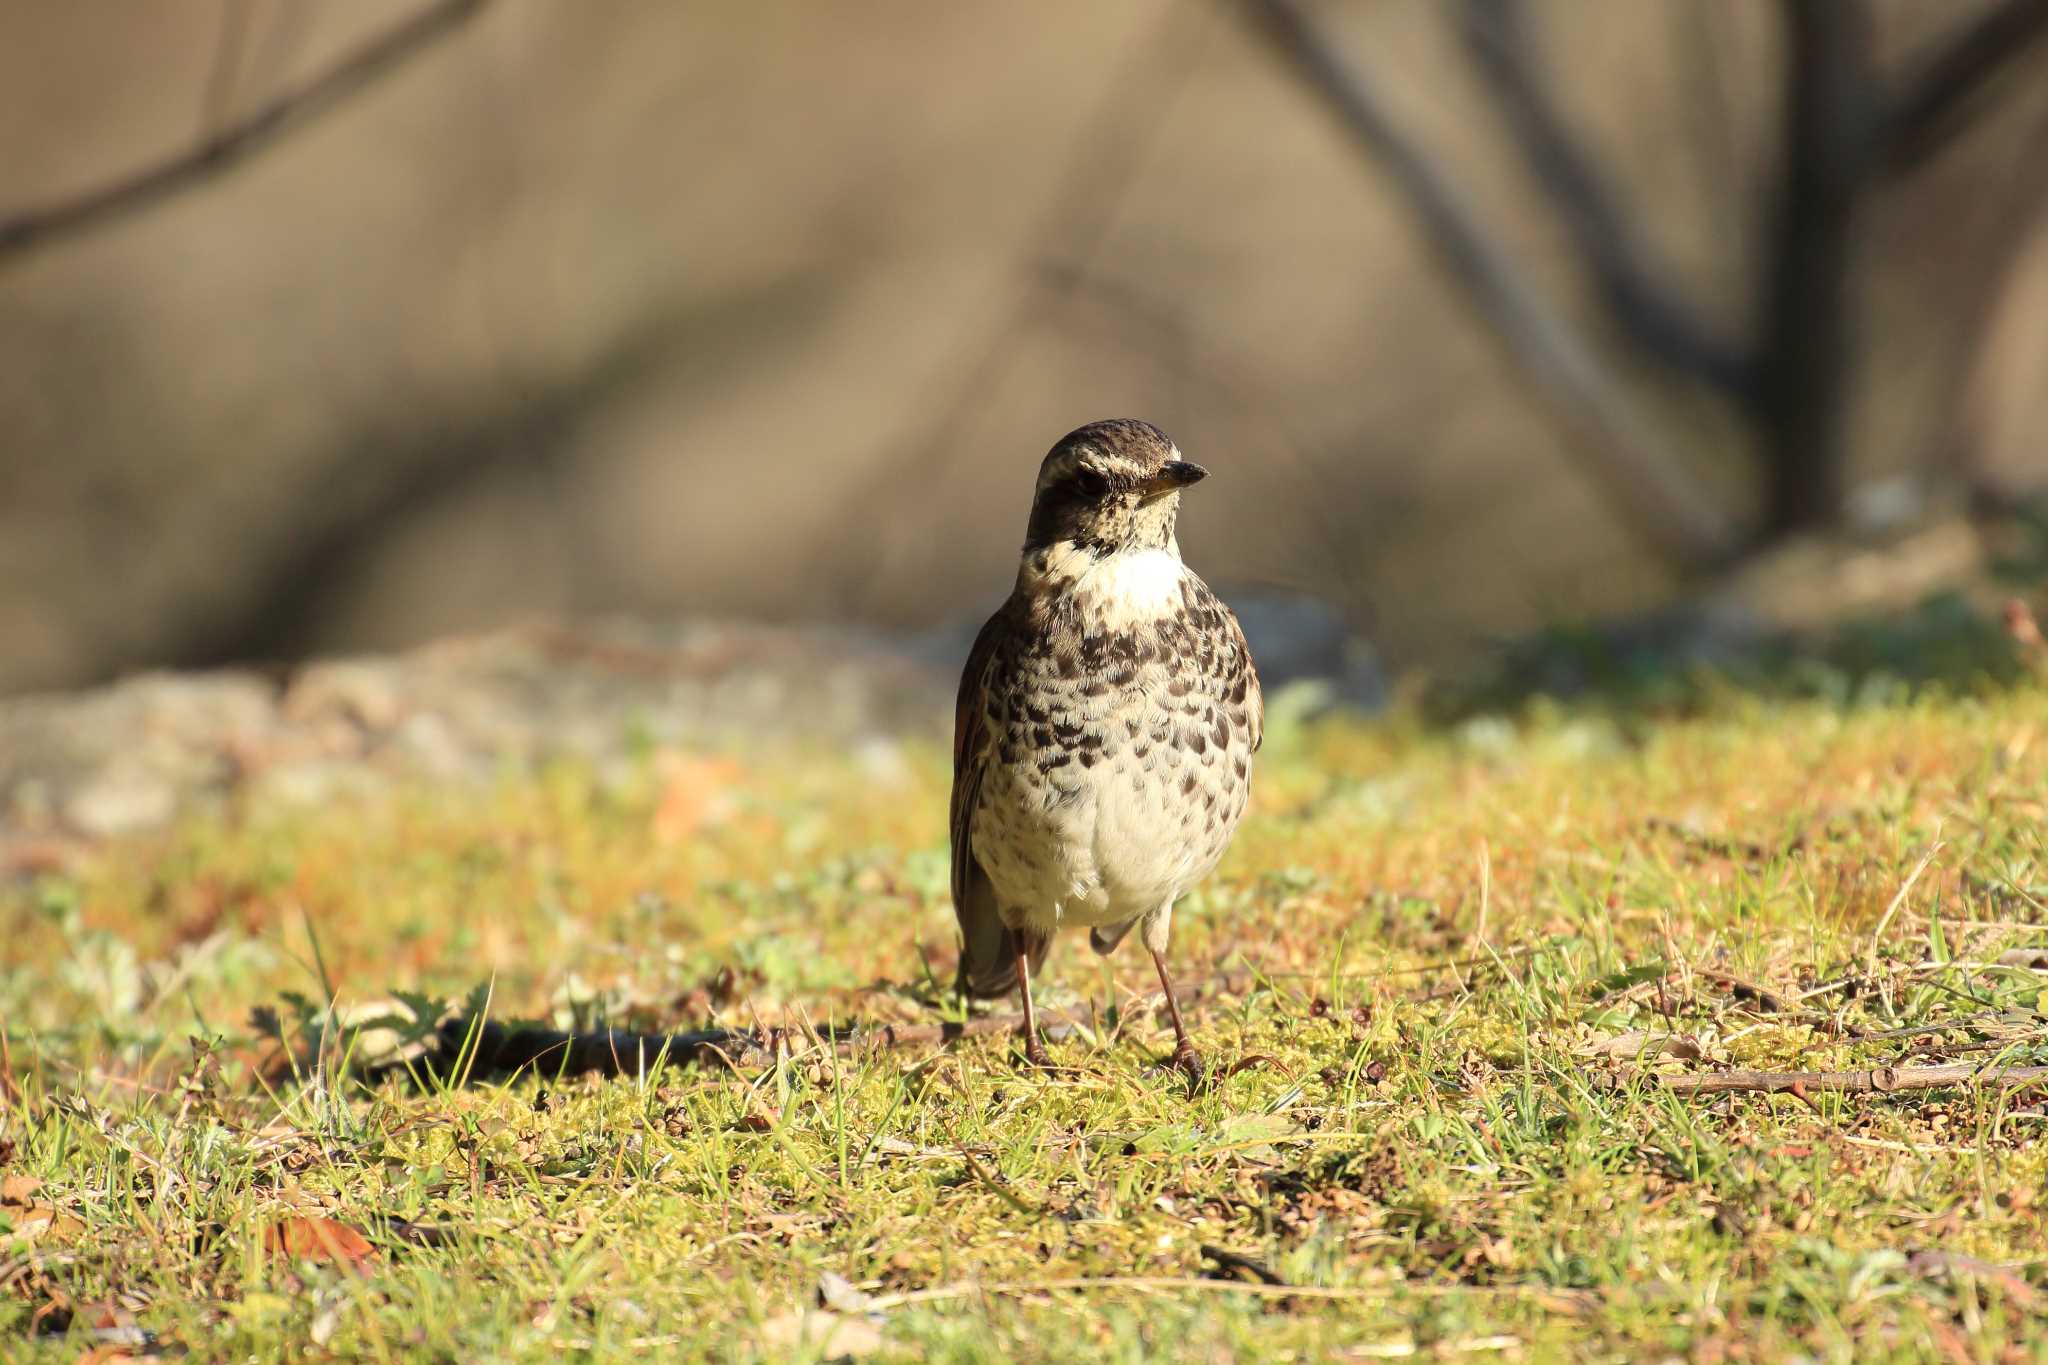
point(1090, 484)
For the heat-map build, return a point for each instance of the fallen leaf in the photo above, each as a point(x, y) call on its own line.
point(690, 794)
point(318, 1239)
point(32, 857)
point(29, 1218)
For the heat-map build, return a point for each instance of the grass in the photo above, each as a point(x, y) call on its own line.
point(1451, 941)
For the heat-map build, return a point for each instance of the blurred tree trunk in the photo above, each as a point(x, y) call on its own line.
point(1806, 357)
point(1845, 128)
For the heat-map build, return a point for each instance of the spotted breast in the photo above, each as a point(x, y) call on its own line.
point(1122, 714)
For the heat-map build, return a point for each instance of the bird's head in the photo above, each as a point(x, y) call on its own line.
point(1110, 487)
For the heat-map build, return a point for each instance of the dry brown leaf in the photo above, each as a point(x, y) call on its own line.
point(690, 794)
point(2025, 631)
point(318, 1239)
point(38, 1220)
point(30, 1218)
point(34, 857)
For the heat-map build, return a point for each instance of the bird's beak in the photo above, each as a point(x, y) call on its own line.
point(1174, 476)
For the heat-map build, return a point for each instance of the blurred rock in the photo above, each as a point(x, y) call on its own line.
point(130, 756)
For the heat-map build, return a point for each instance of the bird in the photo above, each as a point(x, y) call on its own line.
point(1105, 726)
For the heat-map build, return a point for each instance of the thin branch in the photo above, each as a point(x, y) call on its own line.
point(1644, 480)
point(1152, 1284)
point(287, 113)
point(1880, 1081)
point(219, 96)
point(1945, 92)
point(1766, 999)
point(1631, 282)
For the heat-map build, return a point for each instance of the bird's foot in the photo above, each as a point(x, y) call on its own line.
point(1036, 1059)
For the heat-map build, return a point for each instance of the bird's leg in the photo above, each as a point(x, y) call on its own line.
point(1184, 1055)
point(1034, 1050)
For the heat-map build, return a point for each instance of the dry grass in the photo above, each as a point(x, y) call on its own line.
point(1449, 940)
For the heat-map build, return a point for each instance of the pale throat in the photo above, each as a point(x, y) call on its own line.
point(1122, 589)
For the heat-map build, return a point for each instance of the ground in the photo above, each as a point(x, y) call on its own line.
point(1466, 950)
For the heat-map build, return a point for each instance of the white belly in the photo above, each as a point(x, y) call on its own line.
point(1098, 846)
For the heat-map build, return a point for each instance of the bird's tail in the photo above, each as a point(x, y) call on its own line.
point(988, 947)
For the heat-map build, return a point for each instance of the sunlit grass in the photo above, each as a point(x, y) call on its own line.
point(1433, 935)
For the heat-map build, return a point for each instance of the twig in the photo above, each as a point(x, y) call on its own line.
point(1737, 987)
point(1881, 1081)
point(1443, 964)
point(1918, 1030)
point(287, 113)
point(971, 1288)
point(1735, 850)
point(1632, 465)
point(2023, 960)
point(1241, 1265)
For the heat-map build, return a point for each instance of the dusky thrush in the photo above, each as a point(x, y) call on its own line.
point(1107, 718)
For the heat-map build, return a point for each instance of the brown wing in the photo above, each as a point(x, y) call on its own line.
point(988, 965)
point(1240, 676)
point(1255, 697)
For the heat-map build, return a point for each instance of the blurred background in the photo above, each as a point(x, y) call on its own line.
point(332, 326)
